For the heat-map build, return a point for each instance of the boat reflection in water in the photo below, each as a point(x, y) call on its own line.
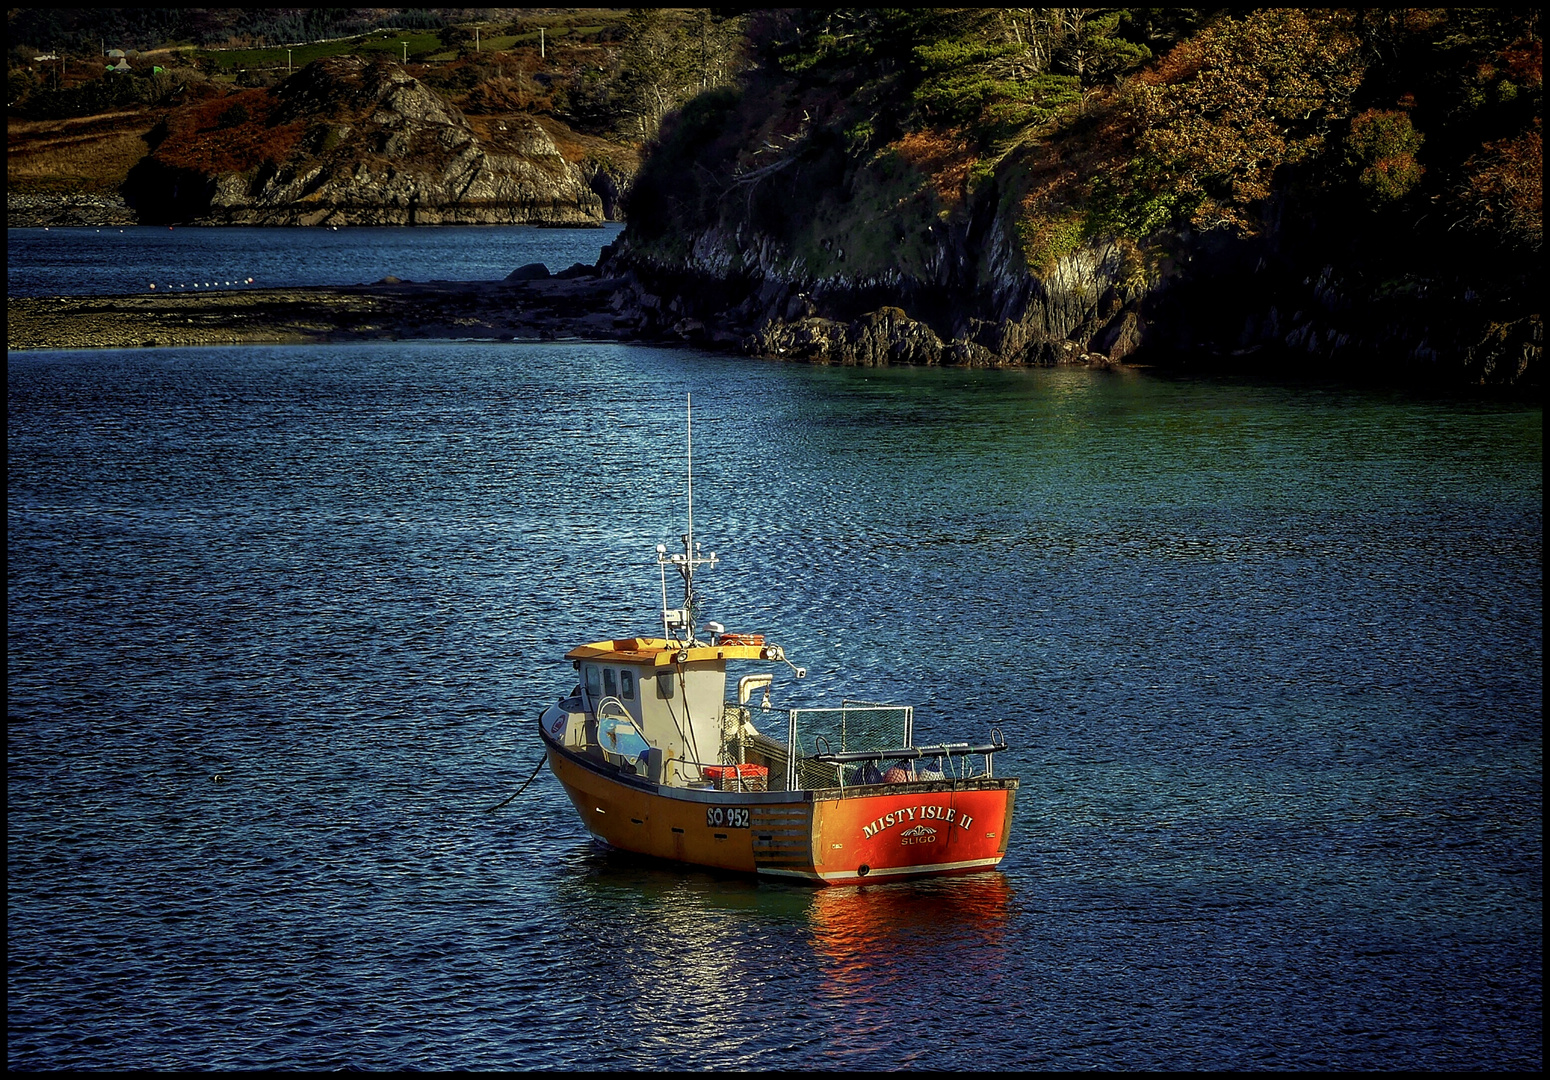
point(713, 952)
point(871, 936)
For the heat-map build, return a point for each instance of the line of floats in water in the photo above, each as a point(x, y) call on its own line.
point(238, 283)
point(210, 284)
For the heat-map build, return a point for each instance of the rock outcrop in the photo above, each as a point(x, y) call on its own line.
point(34, 211)
point(368, 145)
point(1184, 300)
point(762, 302)
point(573, 306)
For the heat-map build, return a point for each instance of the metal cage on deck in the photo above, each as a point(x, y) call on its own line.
point(853, 726)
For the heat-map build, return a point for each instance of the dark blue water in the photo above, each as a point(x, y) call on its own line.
point(279, 621)
point(114, 261)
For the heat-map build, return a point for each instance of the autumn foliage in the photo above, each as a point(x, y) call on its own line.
point(1505, 191)
point(229, 134)
point(1382, 146)
point(942, 154)
point(1228, 108)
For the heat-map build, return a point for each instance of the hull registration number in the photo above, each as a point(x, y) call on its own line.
point(726, 817)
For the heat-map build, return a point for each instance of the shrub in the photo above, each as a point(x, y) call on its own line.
point(1505, 190)
point(1382, 146)
point(1047, 236)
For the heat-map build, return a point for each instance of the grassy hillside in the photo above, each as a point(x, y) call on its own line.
point(85, 155)
point(598, 79)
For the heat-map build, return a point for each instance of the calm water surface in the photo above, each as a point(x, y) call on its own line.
point(115, 260)
point(279, 621)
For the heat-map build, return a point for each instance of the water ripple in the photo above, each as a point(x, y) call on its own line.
point(279, 621)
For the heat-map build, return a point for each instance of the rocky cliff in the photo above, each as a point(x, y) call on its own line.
point(1197, 305)
point(748, 291)
point(958, 290)
point(36, 211)
point(347, 141)
point(858, 200)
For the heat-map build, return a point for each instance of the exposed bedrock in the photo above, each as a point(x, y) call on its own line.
point(370, 145)
point(1182, 299)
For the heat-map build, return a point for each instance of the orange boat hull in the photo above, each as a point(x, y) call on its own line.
point(830, 835)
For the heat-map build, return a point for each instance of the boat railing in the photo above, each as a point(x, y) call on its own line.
point(773, 753)
point(906, 757)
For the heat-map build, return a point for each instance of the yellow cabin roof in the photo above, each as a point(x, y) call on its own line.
point(659, 652)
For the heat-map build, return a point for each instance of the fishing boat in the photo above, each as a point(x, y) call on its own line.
point(658, 759)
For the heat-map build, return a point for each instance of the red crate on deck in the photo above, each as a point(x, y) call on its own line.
point(727, 777)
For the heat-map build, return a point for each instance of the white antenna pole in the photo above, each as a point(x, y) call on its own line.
point(662, 565)
point(690, 560)
point(689, 410)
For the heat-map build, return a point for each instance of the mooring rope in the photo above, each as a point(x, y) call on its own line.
point(525, 783)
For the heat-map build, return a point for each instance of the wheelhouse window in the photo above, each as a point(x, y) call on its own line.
point(593, 680)
point(627, 685)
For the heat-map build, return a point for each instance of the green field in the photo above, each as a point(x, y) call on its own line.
point(421, 43)
point(424, 45)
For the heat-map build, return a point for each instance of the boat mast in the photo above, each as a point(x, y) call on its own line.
point(689, 447)
point(682, 619)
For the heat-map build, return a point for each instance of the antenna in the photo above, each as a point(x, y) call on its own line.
point(689, 421)
point(682, 619)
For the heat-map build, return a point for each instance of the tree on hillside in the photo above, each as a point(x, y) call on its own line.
point(665, 59)
point(986, 71)
point(1227, 108)
point(1085, 42)
point(1092, 47)
point(1381, 147)
point(1505, 192)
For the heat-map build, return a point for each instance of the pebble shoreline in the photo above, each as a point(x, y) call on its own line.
point(527, 310)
